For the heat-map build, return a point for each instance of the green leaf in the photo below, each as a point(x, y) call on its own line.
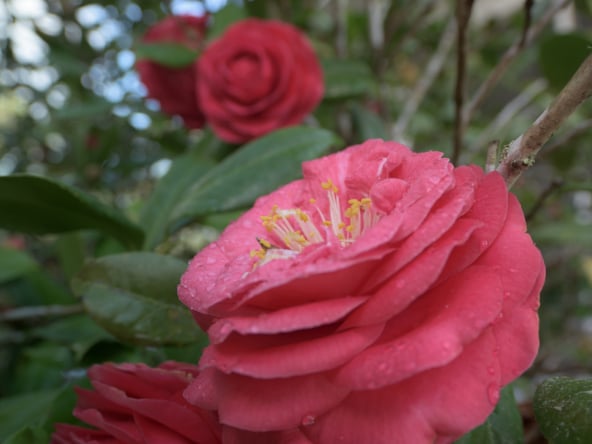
point(503, 426)
point(257, 8)
point(563, 408)
point(170, 190)
point(79, 332)
point(41, 367)
point(134, 297)
point(253, 170)
point(367, 124)
point(561, 55)
point(29, 435)
point(170, 54)
point(92, 108)
point(30, 409)
point(37, 205)
point(14, 264)
point(346, 78)
point(225, 17)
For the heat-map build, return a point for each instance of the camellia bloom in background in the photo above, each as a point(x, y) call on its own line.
point(257, 77)
point(175, 88)
point(134, 403)
point(384, 298)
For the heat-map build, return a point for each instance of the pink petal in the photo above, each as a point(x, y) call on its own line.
point(491, 209)
point(325, 351)
point(154, 433)
point(430, 333)
point(230, 435)
point(267, 405)
point(444, 403)
point(118, 426)
point(285, 320)
point(443, 215)
point(413, 280)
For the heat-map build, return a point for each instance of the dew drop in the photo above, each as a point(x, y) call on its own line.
point(308, 420)
point(491, 370)
point(210, 260)
point(493, 393)
point(484, 244)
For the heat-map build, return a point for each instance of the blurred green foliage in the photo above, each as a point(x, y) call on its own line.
point(85, 157)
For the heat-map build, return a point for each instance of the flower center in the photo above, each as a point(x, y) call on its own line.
point(292, 230)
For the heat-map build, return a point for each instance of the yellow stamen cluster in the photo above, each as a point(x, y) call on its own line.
point(295, 229)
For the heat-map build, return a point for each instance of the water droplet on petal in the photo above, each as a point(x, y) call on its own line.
point(210, 260)
point(491, 370)
point(493, 393)
point(308, 420)
point(484, 244)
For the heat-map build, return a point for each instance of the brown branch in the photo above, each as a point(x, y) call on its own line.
point(528, 4)
point(521, 152)
point(512, 52)
point(463, 13)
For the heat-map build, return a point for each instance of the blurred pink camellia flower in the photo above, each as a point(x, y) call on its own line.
point(175, 88)
point(134, 403)
point(257, 77)
point(384, 298)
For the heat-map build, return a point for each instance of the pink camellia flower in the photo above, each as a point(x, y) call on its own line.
point(175, 88)
point(384, 298)
point(134, 403)
point(258, 77)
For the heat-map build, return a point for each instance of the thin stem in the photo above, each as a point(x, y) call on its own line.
point(433, 68)
point(463, 13)
point(417, 22)
point(521, 152)
point(340, 12)
point(45, 311)
point(512, 52)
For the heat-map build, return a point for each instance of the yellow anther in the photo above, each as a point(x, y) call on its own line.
point(265, 244)
point(259, 254)
point(329, 185)
point(302, 215)
point(312, 200)
point(327, 223)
